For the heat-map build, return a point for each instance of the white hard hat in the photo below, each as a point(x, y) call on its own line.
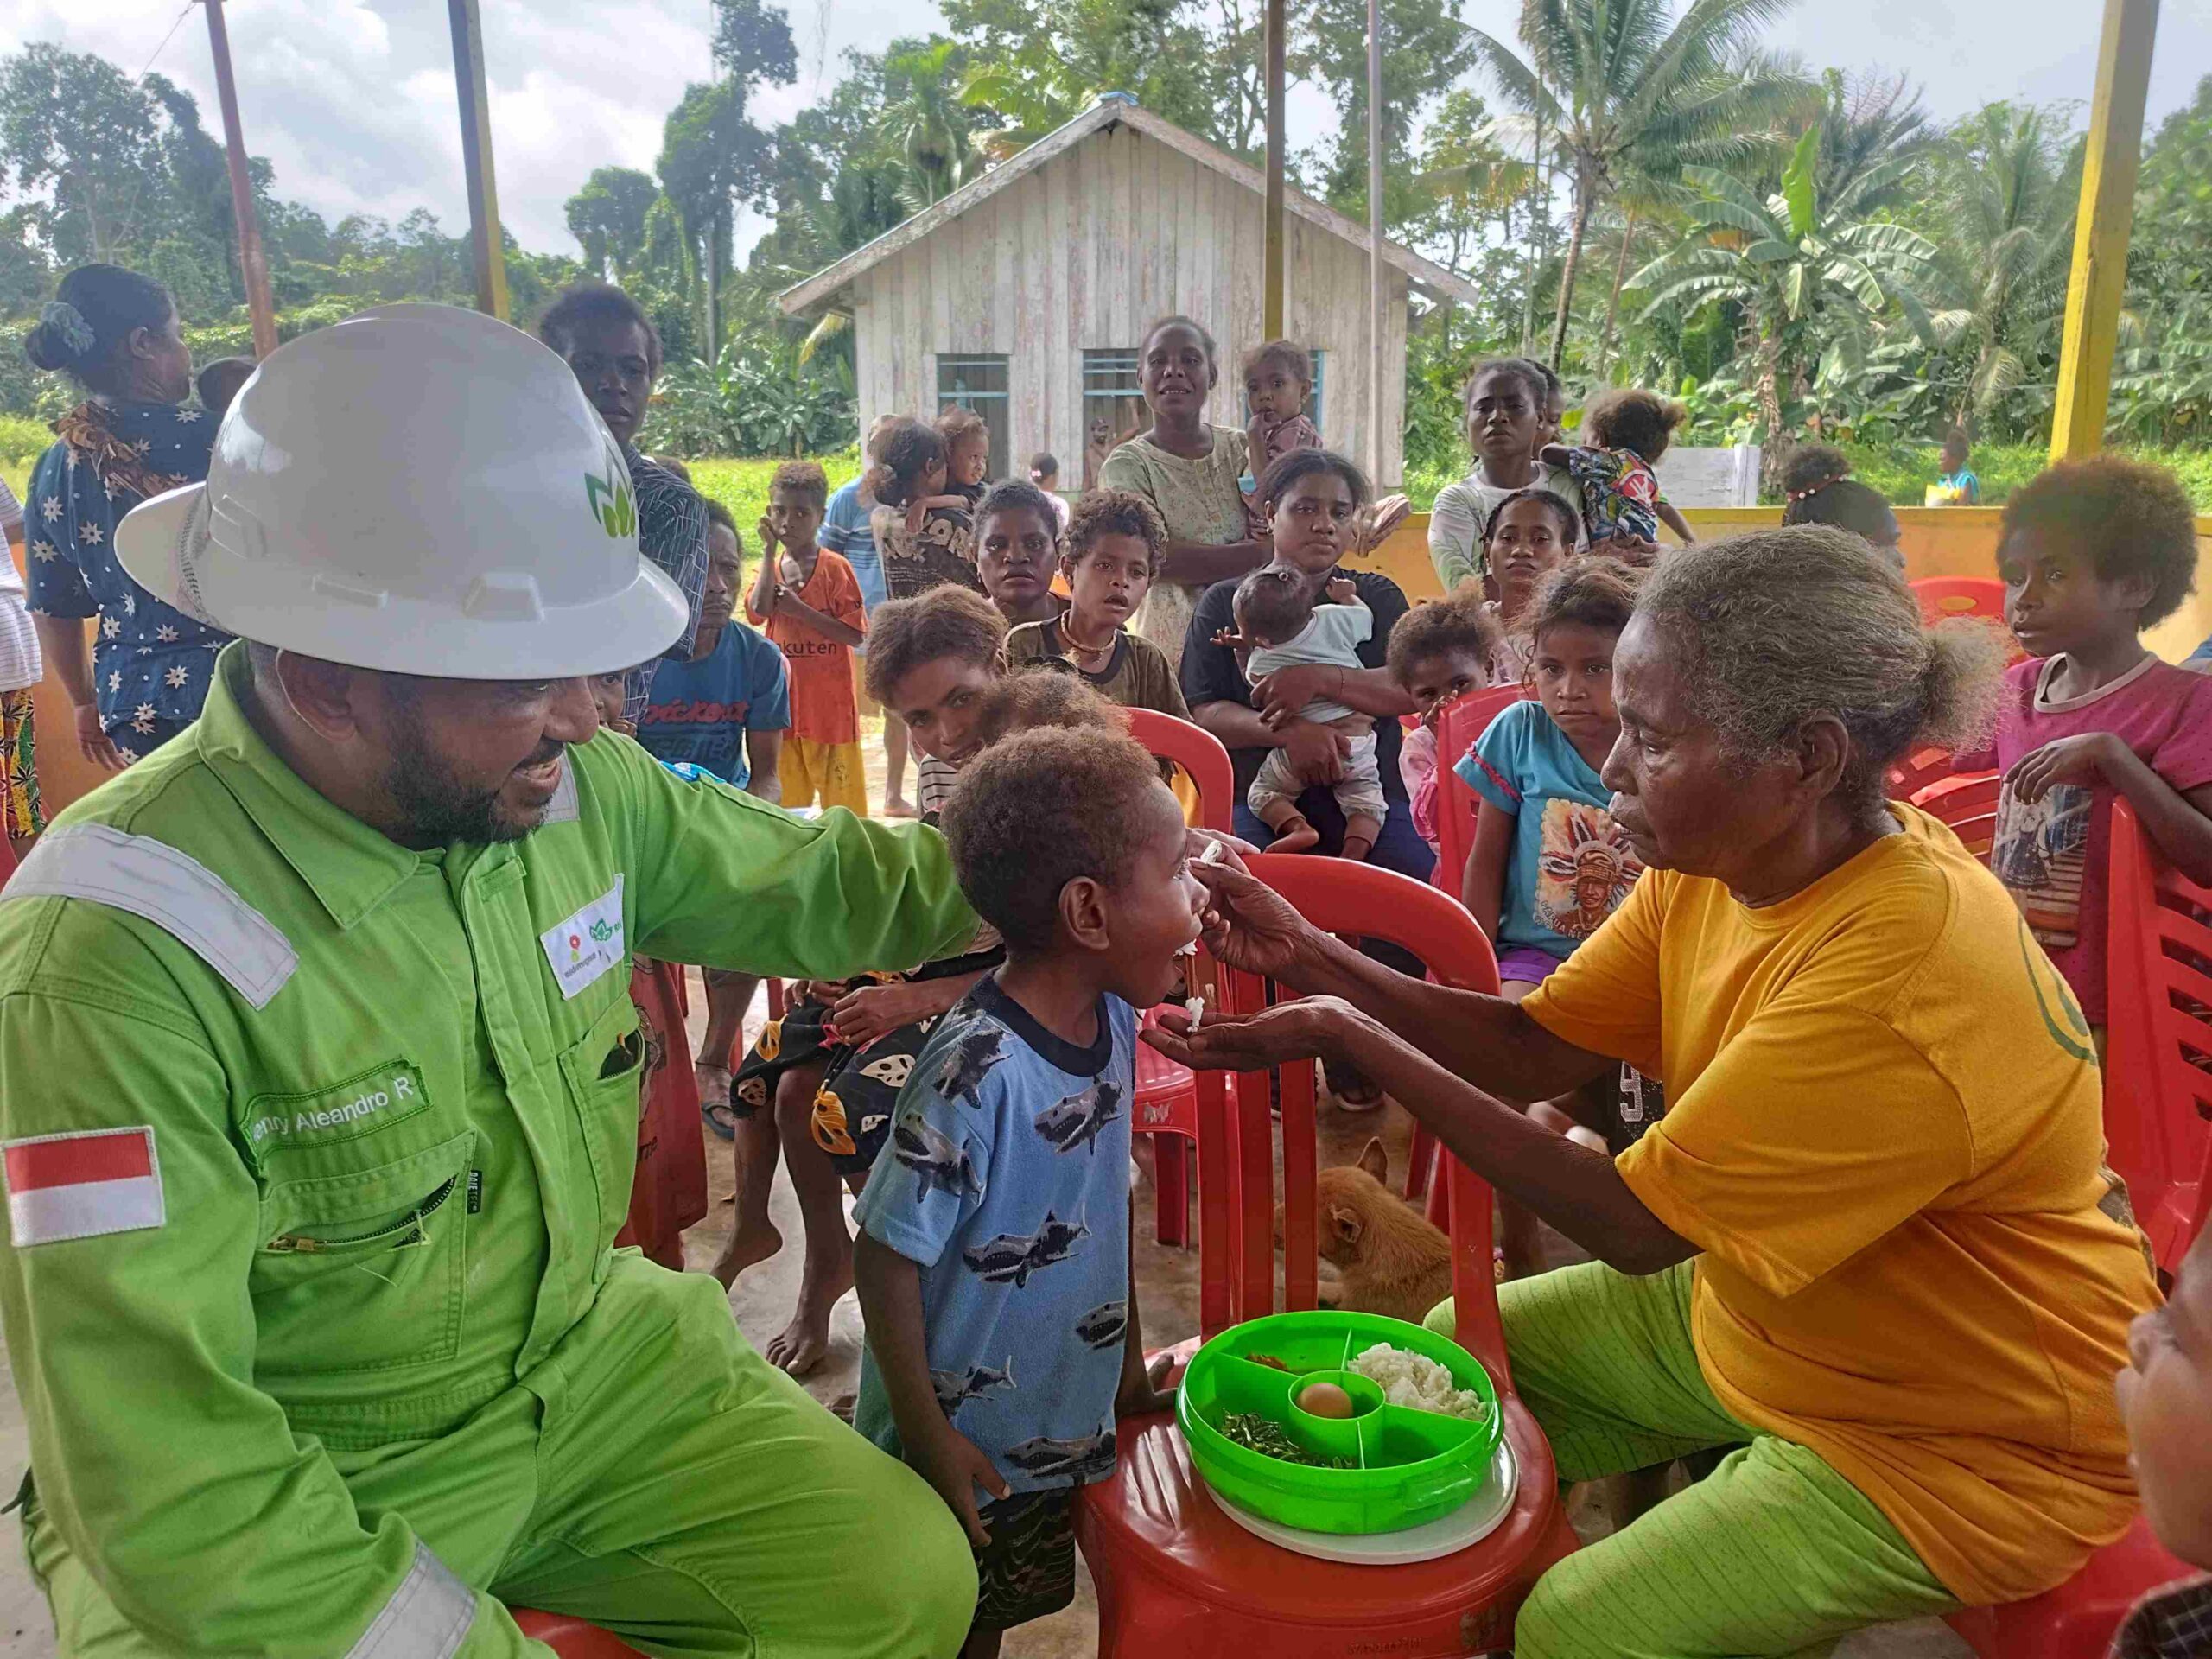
point(420, 489)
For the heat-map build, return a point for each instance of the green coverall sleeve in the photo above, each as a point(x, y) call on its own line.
point(173, 1479)
point(725, 881)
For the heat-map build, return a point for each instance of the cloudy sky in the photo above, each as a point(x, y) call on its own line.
point(353, 100)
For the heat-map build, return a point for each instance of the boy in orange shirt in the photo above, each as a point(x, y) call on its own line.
point(807, 601)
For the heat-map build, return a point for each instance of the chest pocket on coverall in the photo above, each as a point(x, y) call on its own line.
point(363, 1270)
point(604, 1070)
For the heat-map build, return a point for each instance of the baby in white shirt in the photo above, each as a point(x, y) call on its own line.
point(1281, 625)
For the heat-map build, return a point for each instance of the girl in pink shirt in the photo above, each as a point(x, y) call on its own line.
point(2091, 554)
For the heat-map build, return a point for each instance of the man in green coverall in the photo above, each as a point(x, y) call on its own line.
point(319, 1079)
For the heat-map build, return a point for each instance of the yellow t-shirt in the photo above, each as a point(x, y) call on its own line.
point(1886, 1135)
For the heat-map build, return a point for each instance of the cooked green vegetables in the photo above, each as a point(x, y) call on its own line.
point(1270, 1438)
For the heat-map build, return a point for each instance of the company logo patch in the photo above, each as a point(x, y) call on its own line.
point(369, 1101)
point(63, 1186)
point(610, 499)
point(588, 943)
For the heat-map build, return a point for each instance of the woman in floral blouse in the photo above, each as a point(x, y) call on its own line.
point(116, 334)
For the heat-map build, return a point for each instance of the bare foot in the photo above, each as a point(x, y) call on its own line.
point(1296, 836)
point(751, 1243)
point(804, 1343)
point(898, 806)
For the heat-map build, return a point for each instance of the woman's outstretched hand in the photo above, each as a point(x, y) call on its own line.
point(1310, 1028)
point(1248, 924)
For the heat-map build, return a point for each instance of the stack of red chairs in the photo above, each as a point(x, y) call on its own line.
point(1967, 801)
point(2159, 1123)
point(1167, 1106)
point(1174, 1574)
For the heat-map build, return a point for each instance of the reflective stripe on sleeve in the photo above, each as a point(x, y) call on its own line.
point(426, 1617)
point(173, 890)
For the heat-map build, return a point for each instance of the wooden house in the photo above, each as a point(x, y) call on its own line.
point(1025, 295)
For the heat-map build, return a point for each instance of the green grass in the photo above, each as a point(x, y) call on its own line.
point(1903, 471)
point(743, 485)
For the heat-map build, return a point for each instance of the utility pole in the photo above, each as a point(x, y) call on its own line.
point(1271, 325)
point(1378, 285)
point(253, 268)
point(2099, 281)
point(489, 254)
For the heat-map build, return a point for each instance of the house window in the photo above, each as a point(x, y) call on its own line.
point(979, 382)
point(1113, 406)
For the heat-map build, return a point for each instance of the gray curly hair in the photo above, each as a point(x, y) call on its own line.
point(1780, 626)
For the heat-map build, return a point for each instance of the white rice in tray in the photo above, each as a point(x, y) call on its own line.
point(1416, 1380)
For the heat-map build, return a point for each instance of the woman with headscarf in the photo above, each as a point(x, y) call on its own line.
point(115, 333)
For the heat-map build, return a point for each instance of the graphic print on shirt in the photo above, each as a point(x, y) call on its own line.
point(2040, 853)
point(1102, 1327)
point(937, 1162)
point(1586, 870)
point(956, 1388)
point(1076, 1123)
point(1011, 1257)
point(980, 1048)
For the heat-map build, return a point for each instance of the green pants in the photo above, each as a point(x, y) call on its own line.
point(1772, 1553)
point(656, 1477)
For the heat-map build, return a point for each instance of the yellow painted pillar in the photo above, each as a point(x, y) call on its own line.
point(491, 256)
point(2100, 277)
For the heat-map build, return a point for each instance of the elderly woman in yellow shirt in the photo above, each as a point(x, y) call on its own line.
point(1872, 1244)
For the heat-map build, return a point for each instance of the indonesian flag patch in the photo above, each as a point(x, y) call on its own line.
point(83, 1185)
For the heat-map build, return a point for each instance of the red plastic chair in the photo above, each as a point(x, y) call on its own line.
point(2157, 1094)
point(1458, 726)
point(1167, 1106)
point(1941, 597)
point(668, 1192)
point(1967, 802)
point(2158, 1045)
point(2079, 1619)
point(571, 1637)
point(1174, 1574)
point(1917, 771)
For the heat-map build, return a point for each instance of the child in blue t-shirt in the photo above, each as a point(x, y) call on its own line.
point(725, 709)
point(1548, 864)
point(994, 1257)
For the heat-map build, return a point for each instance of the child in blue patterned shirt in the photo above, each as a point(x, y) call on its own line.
point(1003, 1341)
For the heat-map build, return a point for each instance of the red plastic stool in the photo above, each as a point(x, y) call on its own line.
point(2078, 1619)
point(571, 1637)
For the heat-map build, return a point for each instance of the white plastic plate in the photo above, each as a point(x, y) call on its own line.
point(1471, 1523)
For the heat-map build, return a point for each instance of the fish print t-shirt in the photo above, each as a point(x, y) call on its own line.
point(1008, 1184)
point(700, 711)
point(1571, 864)
point(2052, 853)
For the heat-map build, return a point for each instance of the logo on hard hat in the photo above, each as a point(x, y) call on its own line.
point(610, 500)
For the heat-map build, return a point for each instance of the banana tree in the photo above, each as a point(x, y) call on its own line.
point(1803, 279)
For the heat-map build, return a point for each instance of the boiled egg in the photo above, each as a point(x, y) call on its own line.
point(1324, 1400)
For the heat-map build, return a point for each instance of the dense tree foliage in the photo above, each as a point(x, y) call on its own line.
point(1640, 189)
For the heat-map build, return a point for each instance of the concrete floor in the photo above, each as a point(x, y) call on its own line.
point(762, 1301)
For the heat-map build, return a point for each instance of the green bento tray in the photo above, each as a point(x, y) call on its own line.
point(1413, 1466)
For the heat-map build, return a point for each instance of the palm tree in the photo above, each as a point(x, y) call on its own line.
point(1800, 276)
point(1034, 92)
point(2013, 184)
point(1612, 77)
point(928, 124)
